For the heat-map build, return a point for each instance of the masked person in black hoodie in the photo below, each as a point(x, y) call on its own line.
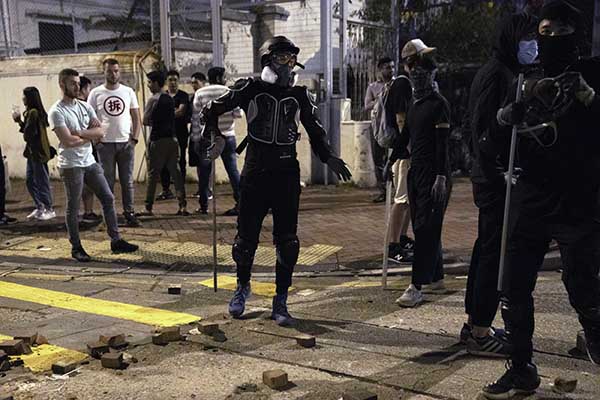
point(271, 175)
point(556, 196)
point(515, 47)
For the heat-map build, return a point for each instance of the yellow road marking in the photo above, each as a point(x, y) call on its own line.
point(230, 282)
point(131, 312)
point(45, 355)
point(163, 252)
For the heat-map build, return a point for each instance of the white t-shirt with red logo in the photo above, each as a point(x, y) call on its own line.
point(113, 108)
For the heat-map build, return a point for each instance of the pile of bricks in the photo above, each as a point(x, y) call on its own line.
point(19, 345)
point(109, 349)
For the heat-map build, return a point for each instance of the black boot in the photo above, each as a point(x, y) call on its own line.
point(80, 255)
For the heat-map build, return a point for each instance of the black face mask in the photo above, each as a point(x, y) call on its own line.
point(556, 53)
point(285, 76)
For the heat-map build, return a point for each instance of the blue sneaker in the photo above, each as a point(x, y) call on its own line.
point(237, 305)
point(280, 312)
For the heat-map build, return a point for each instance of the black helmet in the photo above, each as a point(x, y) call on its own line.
point(277, 43)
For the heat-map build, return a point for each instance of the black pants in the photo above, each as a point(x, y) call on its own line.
point(2, 185)
point(427, 218)
point(379, 158)
point(579, 244)
point(165, 176)
point(278, 190)
point(482, 297)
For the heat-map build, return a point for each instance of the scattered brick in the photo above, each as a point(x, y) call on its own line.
point(581, 345)
point(114, 341)
point(166, 335)
point(113, 360)
point(306, 341)
point(219, 337)
point(63, 367)
point(5, 365)
point(14, 347)
point(29, 338)
point(208, 328)
point(40, 340)
point(359, 394)
point(564, 385)
point(275, 379)
point(97, 349)
point(174, 289)
point(16, 363)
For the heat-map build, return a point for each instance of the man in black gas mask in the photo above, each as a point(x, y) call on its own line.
point(556, 196)
point(271, 174)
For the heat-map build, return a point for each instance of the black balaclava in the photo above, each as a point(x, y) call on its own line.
point(559, 52)
point(285, 74)
point(422, 77)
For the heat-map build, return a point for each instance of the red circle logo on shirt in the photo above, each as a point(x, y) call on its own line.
point(114, 106)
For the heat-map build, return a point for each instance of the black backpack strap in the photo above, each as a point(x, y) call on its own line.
point(242, 146)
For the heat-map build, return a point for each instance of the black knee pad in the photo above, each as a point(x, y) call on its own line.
point(243, 252)
point(288, 250)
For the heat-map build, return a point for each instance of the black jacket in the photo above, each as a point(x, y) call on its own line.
point(488, 93)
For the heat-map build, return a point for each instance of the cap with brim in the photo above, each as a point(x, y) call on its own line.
point(414, 47)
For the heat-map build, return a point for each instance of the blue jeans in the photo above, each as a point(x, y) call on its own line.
point(204, 168)
point(38, 184)
point(92, 176)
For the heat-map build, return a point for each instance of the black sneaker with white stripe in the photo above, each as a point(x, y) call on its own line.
point(517, 380)
point(489, 346)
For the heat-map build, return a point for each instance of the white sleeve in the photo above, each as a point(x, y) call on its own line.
point(92, 99)
point(133, 100)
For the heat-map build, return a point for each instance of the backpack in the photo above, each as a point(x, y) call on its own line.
point(384, 130)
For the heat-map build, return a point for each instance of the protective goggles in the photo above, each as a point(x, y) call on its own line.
point(286, 58)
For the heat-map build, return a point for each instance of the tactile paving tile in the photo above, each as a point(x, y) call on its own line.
point(160, 252)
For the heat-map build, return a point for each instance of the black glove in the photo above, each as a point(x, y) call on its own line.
point(387, 173)
point(338, 166)
point(512, 114)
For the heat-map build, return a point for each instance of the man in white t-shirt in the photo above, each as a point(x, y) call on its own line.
point(117, 108)
point(76, 126)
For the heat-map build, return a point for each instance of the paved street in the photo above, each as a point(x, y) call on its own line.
point(363, 339)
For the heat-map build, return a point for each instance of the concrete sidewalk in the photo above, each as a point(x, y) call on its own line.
point(341, 216)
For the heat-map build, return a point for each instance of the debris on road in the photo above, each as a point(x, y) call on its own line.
point(114, 341)
point(63, 367)
point(97, 349)
point(246, 388)
point(15, 347)
point(208, 328)
point(174, 289)
point(40, 340)
point(306, 341)
point(166, 335)
point(113, 361)
point(564, 385)
point(29, 339)
point(275, 379)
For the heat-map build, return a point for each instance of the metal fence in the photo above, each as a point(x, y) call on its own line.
point(42, 27)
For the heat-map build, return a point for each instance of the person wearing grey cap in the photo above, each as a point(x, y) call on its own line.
point(426, 128)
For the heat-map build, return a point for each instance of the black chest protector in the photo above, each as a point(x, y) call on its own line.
point(272, 120)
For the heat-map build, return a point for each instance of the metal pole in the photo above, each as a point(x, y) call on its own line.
point(396, 29)
point(386, 241)
point(152, 21)
point(344, 48)
point(165, 32)
point(217, 34)
point(511, 168)
point(6, 27)
point(74, 26)
point(214, 215)
point(326, 62)
point(596, 40)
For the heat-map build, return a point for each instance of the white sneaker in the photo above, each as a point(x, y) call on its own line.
point(411, 297)
point(435, 287)
point(35, 213)
point(46, 215)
